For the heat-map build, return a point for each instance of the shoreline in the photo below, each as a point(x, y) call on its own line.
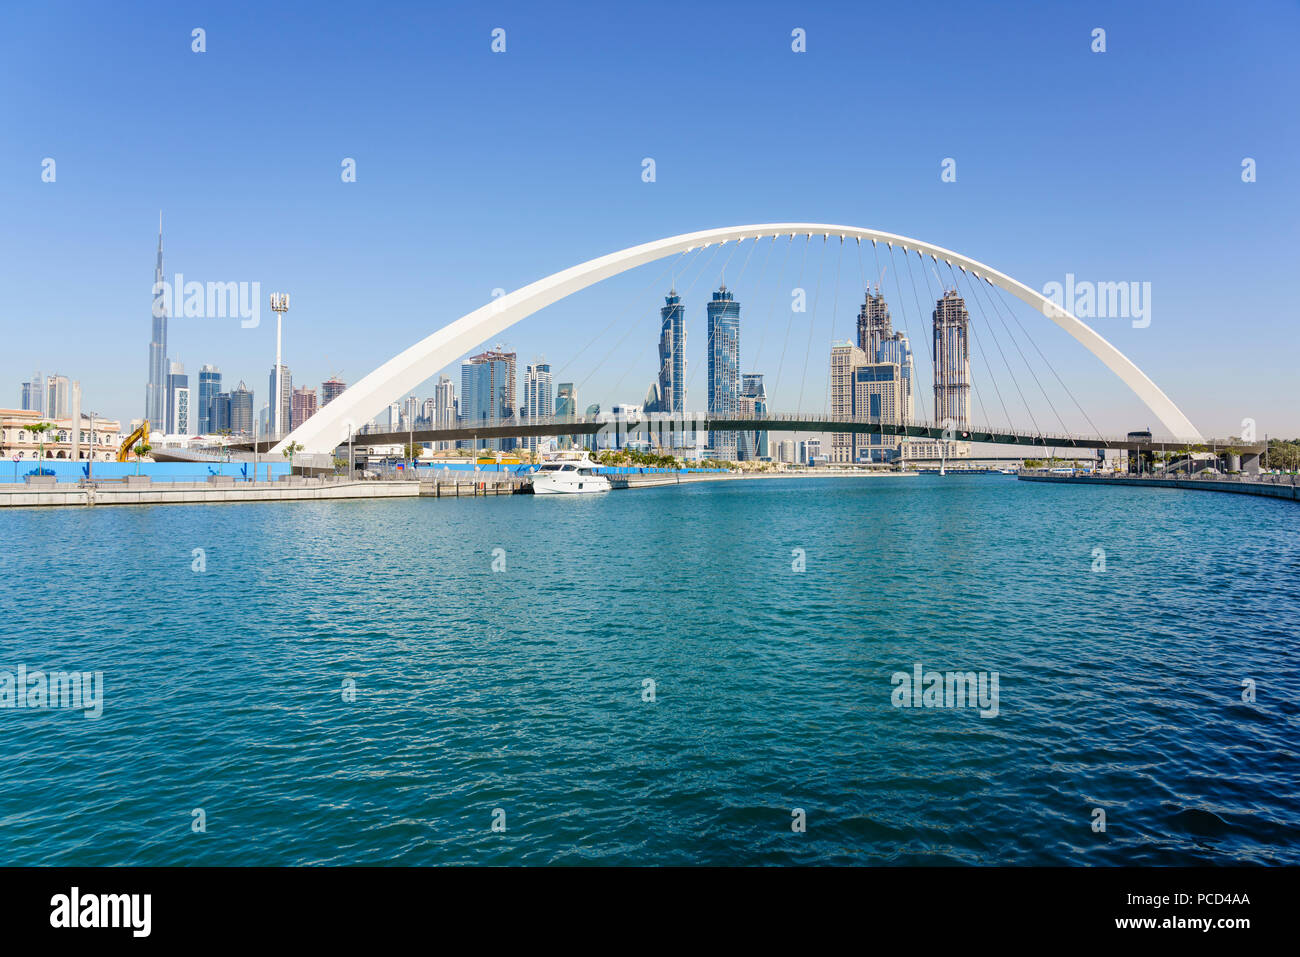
point(299, 489)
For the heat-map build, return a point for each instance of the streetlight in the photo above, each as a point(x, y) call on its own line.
point(279, 305)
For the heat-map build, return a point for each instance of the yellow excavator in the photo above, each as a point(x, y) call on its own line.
point(138, 436)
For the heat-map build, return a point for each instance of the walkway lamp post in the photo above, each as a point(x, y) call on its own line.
point(279, 305)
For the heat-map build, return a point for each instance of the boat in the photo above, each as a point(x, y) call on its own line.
point(571, 472)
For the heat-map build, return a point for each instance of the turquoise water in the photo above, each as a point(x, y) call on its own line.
point(522, 689)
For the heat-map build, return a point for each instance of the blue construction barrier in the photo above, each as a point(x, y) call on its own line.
point(74, 471)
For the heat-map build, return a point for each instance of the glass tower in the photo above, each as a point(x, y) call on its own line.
point(537, 396)
point(178, 401)
point(209, 388)
point(241, 410)
point(672, 354)
point(752, 444)
point(487, 393)
point(724, 367)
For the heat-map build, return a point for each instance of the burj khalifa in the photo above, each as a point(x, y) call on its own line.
point(155, 400)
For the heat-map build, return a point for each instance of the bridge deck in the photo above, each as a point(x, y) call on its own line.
point(663, 426)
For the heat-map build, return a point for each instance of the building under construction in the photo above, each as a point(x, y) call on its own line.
point(951, 361)
point(873, 323)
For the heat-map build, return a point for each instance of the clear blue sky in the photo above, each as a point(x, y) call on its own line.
point(479, 170)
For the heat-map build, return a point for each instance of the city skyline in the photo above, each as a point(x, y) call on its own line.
point(379, 281)
point(696, 433)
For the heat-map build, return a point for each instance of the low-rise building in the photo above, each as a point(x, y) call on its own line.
point(99, 438)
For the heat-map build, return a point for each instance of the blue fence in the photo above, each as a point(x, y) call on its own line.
point(69, 471)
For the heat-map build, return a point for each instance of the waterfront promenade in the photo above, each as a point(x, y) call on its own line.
point(221, 490)
point(1269, 486)
point(194, 493)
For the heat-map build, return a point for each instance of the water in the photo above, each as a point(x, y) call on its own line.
point(522, 690)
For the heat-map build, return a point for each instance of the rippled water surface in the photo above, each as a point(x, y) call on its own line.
point(1120, 689)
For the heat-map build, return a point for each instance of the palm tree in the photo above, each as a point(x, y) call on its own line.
point(292, 449)
point(141, 450)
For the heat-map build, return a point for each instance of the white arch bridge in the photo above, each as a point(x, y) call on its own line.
point(331, 426)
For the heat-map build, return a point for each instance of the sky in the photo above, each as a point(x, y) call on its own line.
point(478, 170)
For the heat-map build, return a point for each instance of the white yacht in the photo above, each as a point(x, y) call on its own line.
point(569, 473)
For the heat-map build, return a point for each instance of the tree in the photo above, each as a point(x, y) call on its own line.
point(39, 429)
point(141, 450)
point(292, 449)
point(412, 451)
point(1283, 455)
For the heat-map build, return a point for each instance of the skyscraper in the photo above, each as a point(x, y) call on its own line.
point(752, 443)
point(58, 396)
point(873, 323)
point(878, 396)
point(220, 413)
point(896, 349)
point(724, 367)
point(178, 414)
point(33, 395)
point(487, 392)
point(280, 406)
point(331, 389)
point(444, 407)
point(410, 411)
point(566, 404)
point(156, 398)
point(951, 361)
point(537, 396)
point(304, 405)
point(209, 388)
point(178, 400)
point(845, 357)
point(672, 354)
point(241, 410)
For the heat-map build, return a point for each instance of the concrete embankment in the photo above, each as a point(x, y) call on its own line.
point(217, 490)
point(1269, 486)
point(175, 493)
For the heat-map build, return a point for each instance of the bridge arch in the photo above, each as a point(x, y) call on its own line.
point(399, 376)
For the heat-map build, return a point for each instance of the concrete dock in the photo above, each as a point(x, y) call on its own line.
point(1269, 486)
point(211, 492)
point(141, 490)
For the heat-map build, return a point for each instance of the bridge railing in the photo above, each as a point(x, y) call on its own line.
point(686, 421)
point(633, 421)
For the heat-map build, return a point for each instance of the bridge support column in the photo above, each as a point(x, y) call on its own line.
point(1250, 462)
